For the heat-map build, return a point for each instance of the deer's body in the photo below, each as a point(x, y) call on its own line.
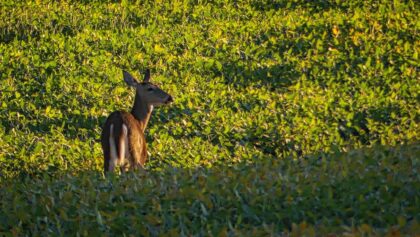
point(123, 141)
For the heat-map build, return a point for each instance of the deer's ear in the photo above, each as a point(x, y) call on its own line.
point(130, 80)
point(147, 75)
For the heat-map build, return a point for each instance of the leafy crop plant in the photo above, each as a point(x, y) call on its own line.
point(290, 117)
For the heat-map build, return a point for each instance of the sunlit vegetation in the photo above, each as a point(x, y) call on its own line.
point(290, 117)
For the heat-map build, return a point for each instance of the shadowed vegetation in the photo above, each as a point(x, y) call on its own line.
point(260, 87)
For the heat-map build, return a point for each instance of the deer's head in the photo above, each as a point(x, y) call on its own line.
point(150, 93)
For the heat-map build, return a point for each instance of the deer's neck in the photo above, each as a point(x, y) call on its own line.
point(141, 111)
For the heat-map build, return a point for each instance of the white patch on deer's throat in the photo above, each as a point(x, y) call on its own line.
point(112, 149)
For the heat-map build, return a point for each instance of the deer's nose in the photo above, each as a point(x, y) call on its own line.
point(169, 100)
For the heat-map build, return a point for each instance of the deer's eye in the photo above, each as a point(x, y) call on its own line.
point(150, 89)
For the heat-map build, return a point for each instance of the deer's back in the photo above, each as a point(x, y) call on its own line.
point(136, 150)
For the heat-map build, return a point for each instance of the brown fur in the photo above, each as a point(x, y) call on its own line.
point(147, 96)
point(137, 141)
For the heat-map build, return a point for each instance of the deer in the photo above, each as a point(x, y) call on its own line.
point(122, 139)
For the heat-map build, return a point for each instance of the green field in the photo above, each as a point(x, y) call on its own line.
point(290, 117)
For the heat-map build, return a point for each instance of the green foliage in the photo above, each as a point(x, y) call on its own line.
point(365, 190)
point(252, 80)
